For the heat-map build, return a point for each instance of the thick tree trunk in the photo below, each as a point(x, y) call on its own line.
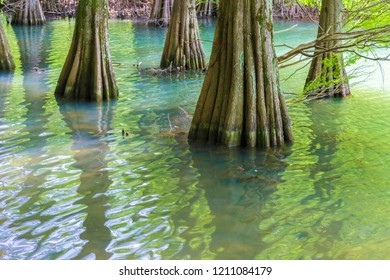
point(161, 12)
point(6, 60)
point(183, 47)
point(327, 75)
point(88, 74)
point(28, 12)
point(241, 103)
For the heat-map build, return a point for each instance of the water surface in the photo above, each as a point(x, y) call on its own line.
point(71, 187)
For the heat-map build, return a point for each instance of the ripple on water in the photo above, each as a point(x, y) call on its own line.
point(73, 188)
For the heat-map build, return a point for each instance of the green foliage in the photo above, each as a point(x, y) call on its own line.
point(331, 75)
point(310, 3)
point(366, 14)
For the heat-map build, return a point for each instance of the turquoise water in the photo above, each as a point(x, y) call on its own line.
point(71, 187)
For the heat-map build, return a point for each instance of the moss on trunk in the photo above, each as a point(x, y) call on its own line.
point(88, 74)
point(241, 103)
point(183, 47)
point(28, 12)
point(6, 60)
point(327, 75)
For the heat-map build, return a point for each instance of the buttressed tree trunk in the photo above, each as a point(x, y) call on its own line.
point(241, 103)
point(28, 12)
point(6, 60)
point(327, 75)
point(161, 12)
point(183, 47)
point(87, 73)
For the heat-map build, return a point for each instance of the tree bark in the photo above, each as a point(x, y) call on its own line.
point(161, 12)
point(241, 103)
point(327, 75)
point(183, 47)
point(88, 74)
point(6, 59)
point(28, 12)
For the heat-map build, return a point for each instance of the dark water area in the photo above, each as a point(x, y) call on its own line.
point(72, 187)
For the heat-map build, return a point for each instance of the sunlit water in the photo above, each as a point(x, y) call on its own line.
point(71, 187)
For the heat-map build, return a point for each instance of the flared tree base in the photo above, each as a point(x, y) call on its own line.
point(241, 103)
point(88, 74)
point(29, 12)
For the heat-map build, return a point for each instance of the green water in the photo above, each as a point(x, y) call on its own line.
point(71, 187)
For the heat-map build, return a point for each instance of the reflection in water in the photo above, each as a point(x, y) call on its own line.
point(90, 124)
point(71, 189)
point(5, 87)
point(31, 44)
point(237, 186)
point(325, 181)
point(33, 54)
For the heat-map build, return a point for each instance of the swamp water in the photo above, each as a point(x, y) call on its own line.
point(71, 187)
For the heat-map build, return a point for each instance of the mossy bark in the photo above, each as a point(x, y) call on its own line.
point(28, 12)
point(88, 74)
point(241, 103)
point(183, 47)
point(327, 75)
point(161, 12)
point(6, 59)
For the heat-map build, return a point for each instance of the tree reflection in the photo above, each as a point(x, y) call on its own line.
point(6, 80)
point(325, 177)
point(238, 202)
point(90, 124)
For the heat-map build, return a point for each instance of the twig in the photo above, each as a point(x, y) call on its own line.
point(184, 111)
point(285, 30)
point(170, 124)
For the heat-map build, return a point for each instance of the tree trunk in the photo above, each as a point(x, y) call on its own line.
point(6, 60)
point(207, 8)
point(161, 12)
point(183, 47)
point(28, 12)
point(327, 75)
point(241, 103)
point(88, 74)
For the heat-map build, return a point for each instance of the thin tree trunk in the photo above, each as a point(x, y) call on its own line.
point(183, 47)
point(327, 75)
point(6, 60)
point(161, 12)
point(207, 8)
point(28, 12)
point(241, 103)
point(88, 74)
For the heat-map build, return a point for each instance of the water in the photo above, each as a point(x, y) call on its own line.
point(73, 188)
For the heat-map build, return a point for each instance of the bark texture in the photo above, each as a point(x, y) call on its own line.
point(161, 12)
point(6, 59)
point(241, 103)
point(183, 47)
point(88, 74)
point(327, 75)
point(28, 12)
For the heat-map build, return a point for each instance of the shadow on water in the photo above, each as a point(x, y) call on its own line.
point(90, 125)
point(238, 185)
